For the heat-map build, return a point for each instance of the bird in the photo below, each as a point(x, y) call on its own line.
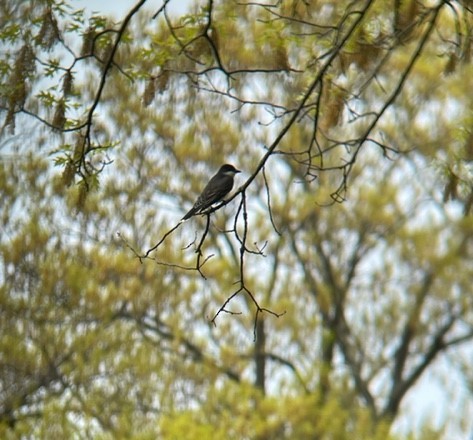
point(217, 188)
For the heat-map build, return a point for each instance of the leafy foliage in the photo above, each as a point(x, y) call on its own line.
point(313, 302)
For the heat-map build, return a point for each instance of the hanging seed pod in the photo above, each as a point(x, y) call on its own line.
point(59, 119)
point(67, 83)
point(49, 33)
point(150, 91)
point(162, 81)
point(88, 41)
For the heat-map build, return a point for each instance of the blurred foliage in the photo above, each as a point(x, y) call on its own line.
point(114, 126)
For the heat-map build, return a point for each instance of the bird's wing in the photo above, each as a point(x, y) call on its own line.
point(216, 190)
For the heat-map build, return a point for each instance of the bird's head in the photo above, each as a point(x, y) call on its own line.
point(228, 169)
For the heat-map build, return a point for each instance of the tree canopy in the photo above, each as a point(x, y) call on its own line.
point(313, 301)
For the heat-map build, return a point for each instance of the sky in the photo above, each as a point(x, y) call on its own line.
point(120, 7)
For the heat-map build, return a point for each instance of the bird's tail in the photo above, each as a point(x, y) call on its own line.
point(188, 215)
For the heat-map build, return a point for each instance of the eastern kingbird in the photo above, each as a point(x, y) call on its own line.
point(217, 188)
